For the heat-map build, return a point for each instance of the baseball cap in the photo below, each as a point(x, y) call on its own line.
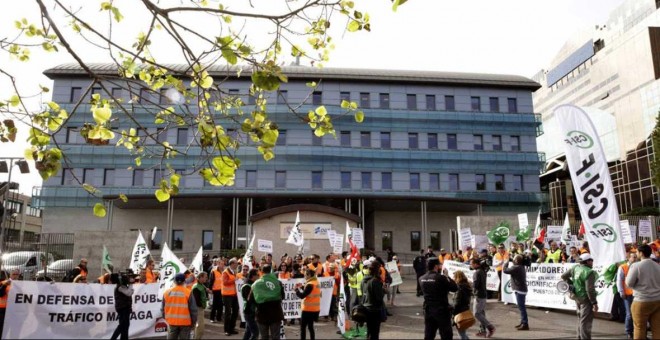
point(180, 278)
point(366, 263)
point(586, 257)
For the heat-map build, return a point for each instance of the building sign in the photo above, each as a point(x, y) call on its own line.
point(311, 230)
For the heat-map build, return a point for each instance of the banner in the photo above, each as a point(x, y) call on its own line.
point(265, 245)
point(465, 238)
point(140, 254)
point(291, 305)
point(197, 262)
point(542, 288)
point(492, 280)
point(78, 311)
point(626, 236)
point(645, 228)
point(523, 222)
point(170, 266)
point(537, 227)
point(393, 269)
point(592, 184)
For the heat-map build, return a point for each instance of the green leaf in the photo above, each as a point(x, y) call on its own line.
point(14, 100)
point(138, 161)
point(230, 56)
point(101, 114)
point(175, 179)
point(345, 104)
point(397, 3)
point(99, 210)
point(90, 188)
point(162, 195)
point(359, 116)
point(353, 26)
point(270, 137)
point(117, 14)
point(321, 111)
point(123, 198)
point(206, 80)
point(266, 81)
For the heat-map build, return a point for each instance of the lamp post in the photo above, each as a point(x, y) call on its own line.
point(4, 168)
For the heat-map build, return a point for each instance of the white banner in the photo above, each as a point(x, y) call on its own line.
point(265, 246)
point(566, 230)
point(341, 306)
point(625, 232)
point(553, 233)
point(43, 310)
point(197, 262)
point(466, 238)
point(140, 254)
point(170, 266)
point(523, 222)
point(542, 290)
point(296, 235)
point(393, 269)
point(291, 303)
point(247, 258)
point(492, 280)
point(592, 184)
point(645, 228)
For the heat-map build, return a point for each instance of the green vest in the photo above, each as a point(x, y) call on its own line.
point(246, 305)
point(580, 274)
point(555, 257)
point(267, 288)
point(202, 293)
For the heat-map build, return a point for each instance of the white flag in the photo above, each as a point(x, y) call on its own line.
point(537, 228)
point(566, 230)
point(197, 262)
point(140, 254)
point(341, 316)
point(170, 266)
point(296, 235)
point(153, 233)
point(247, 258)
point(592, 184)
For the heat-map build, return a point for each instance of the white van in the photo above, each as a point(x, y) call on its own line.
point(28, 262)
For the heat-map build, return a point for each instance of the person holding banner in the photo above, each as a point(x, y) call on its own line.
point(519, 286)
point(311, 304)
point(123, 305)
point(5, 287)
point(583, 279)
point(179, 309)
point(230, 297)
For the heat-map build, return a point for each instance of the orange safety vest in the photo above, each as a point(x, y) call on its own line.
point(176, 306)
point(318, 268)
point(444, 258)
point(335, 285)
point(217, 277)
point(501, 258)
point(583, 250)
point(312, 302)
point(3, 300)
point(150, 277)
point(627, 290)
point(83, 272)
point(190, 285)
point(284, 275)
point(228, 283)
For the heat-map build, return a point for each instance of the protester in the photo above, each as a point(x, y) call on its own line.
point(480, 292)
point(249, 308)
point(644, 279)
point(519, 286)
point(429, 252)
point(437, 314)
point(230, 297)
point(123, 305)
point(419, 265)
point(554, 254)
point(372, 299)
point(573, 255)
point(461, 299)
point(216, 287)
point(5, 287)
point(267, 294)
point(150, 276)
point(179, 309)
point(625, 292)
point(311, 304)
point(583, 279)
point(353, 284)
point(200, 292)
point(80, 279)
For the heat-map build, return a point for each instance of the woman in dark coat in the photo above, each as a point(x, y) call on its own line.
point(462, 298)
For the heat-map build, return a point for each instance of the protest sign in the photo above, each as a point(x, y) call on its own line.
point(466, 238)
point(645, 228)
point(331, 237)
point(358, 237)
point(78, 311)
point(140, 254)
point(265, 245)
point(553, 233)
point(625, 232)
point(338, 246)
point(393, 269)
point(492, 280)
point(523, 222)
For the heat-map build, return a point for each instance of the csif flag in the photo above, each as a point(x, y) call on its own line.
point(247, 258)
point(296, 235)
point(197, 263)
point(537, 228)
point(170, 266)
point(140, 254)
point(566, 230)
point(500, 233)
point(106, 263)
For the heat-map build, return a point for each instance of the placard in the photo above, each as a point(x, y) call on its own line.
point(393, 269)
point(625, 232)
point(479, 242)
point(466, 238)
point(523, 222)
point(645, 228)
point(553, 233)
point(358, 237)
point(492, 279)
point(633, 232)
point(331, 237)
point(338, 245)
point(265, 245)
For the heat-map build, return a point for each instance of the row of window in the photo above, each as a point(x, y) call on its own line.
point(148, 97)
point(386, 238)
point(346, 181)
point(178, 238)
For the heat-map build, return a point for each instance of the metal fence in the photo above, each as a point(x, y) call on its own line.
point(39, 257)
point(632, 220)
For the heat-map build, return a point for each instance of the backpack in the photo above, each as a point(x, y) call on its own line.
point(71, 274)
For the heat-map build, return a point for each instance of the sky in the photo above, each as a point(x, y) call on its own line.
point(518, 37)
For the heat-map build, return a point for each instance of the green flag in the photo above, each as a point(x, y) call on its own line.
point(500, 233)
point(522, 235)
point(107, 262)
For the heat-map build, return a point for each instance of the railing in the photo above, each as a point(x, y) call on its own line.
point(33, 256)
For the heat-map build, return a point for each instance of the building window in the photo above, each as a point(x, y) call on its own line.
point(386, 239)
point(365, 100)
point(513, 105)
point(435, 240)
point(281, 138)
point(182, 136)
point(97, 90)
point(478, 142)
point(280, 179)
point(252, 100)
point(386, 180)
point(144, 96)
point(157, 240)
point(317, 180)
point(161, 135)
point(475, 103)
point(316, 140)
point(67, 176)
point(517, 183)
point(317, 98)
point(158, 176)
point(138, 177)
point(430, 102)
point(415, 241)
point(250, 179)
point(452, 144)
point(414, 181)
point(481, 182)
point(497, 142)
point(366, 180)
point(345, 180)
point(71, 135)
point(449, 103)
point(344, 96)
point(385, 140)
point(494, 104)
point(411, 100)
point(499, 182)
point(162, 99)
point(434, 182)
point(207, 239)
point(345, 138)
point(365, 139)
point(515, 143)
point(177, 239)
point(413, 140)
point(384, 100)
point(282, 96)
point(433, 140)
point(109, 177)
point(76, 93)
point(453, 182)
point(88, 175)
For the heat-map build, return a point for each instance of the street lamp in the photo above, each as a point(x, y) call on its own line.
point(4, 168)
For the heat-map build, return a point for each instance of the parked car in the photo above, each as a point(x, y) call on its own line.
point(28, 262)
point(57, 270)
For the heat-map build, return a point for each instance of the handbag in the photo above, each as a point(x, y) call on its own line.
point(359, 314)
point(464, 320)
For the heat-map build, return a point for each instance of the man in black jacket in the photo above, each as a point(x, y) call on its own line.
point(437, 313)
point(519, 287)
point(419, 264)
point(481, 294)
point(123, 305)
